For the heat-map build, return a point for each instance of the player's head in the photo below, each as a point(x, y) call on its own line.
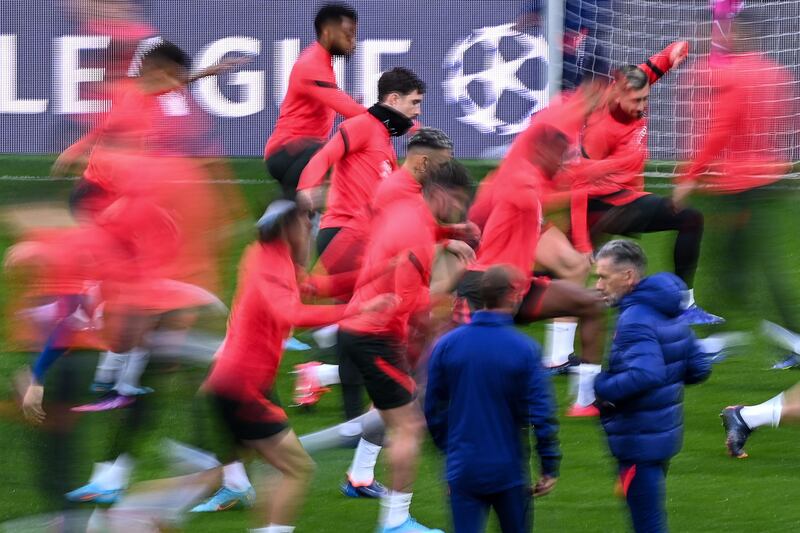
point(428, 149)
point(500, 288)
point(285, 220)
point(336, 25)
point(165, 67)
point(621, 264)
point(633, 91)
point(549, 148)
point(448, 190)
point(402, 90)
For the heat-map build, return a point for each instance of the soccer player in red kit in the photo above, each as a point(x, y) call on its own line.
point(361, 154)
point(609, 177)
point(313, 99)
point(746, 149)
point(509, 211)
point(404, 236)
point(267, 306)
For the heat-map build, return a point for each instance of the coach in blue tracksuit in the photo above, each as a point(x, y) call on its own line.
point(640, 396)
point(485, 384)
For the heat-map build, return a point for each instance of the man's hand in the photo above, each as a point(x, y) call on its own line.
point(679, 54)
point(32, 403)
point(69, 164)
point(544, 486)
point(681, 194)
point(462, 250)
point(310, 199)
point(465, 231)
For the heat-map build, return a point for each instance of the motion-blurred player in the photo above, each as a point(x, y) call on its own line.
point(312, 99)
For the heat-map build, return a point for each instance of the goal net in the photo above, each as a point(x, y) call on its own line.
point(601, 35)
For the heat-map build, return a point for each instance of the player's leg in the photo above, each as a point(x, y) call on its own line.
point(391, 389)
point(469, 511)
point(554, 253)
point(286, 165)
point(644, 487)
point(561, 298)
point(514, 509)
point(740, 421)
point(360, 481)
point(285, 453)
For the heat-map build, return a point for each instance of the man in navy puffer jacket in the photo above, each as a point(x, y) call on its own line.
point(640, 396)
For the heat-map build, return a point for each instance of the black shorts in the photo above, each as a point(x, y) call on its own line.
point(469, 298)
point(287, 164)
point(251, 419)
point(88, 198)
point(382, 364)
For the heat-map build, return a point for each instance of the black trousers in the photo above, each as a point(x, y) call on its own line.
point(287, 164)
point(650, 214)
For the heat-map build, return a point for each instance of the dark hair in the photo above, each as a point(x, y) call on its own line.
point(399, 80)
point(622, 251)
point(165, 53)
point(333, 13)
point(452, 176)
point(636, 77)
point(497, 284)
point(430, 138)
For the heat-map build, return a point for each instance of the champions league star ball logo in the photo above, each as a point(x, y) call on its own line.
point(498, 76)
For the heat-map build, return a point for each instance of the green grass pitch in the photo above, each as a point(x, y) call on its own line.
point(707, 491)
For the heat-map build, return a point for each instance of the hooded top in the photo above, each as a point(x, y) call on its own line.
point(653, 354)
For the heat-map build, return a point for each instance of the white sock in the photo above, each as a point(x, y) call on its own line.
point(116, 476)
point(394, 508)
point(109, 366)
point(327, 374)
point(98, 470)
point(273, 528)
point(235, 477)
point(586, 374)
point(559, 342)
point(326, 337)
point(128, 381)
point(362, 469)
point(189, 458)
point(688, 299)
point(765, 413)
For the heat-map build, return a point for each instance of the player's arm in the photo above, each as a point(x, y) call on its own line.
point(540, 407)
point(668, 58)
point(285, 300)
point(644, 366)
point(325, 90)
point(436, 397)
point(579, 221)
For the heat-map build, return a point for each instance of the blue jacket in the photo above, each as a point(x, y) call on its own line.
point(654, 353)
point(485, 384)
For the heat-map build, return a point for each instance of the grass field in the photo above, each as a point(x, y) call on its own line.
point(707, 491)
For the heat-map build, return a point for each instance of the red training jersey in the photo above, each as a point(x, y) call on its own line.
point(362, 155)
point(398, 259)
point(266, 307)
point(312, 101)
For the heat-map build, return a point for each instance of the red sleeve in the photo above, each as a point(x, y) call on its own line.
point(326, 91)
point(660, 64)
point(333, 285)
point(285, 299)
point(579, 221)
point(412, 283)
point(316, 169)
point(598, 174)
point(724, 115)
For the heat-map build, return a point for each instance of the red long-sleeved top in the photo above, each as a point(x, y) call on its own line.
point(266, 308)
point(362, 155)
point(312, 101)
point(746, 140)
point(398, 260)
point(509, 212)
point(614, 151)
